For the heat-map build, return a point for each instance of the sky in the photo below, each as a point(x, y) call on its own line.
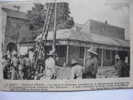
point(82, 10)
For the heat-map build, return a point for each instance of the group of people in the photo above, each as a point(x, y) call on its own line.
point(25, 67)
point(29, 66)
point(90, 70)
point(17, 66)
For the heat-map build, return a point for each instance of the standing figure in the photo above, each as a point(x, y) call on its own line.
point(91, 66)
point(117, 58)
point(5, 67)
point(50, 65)
point(27, 67)
point(76, 71)
point(31, 55)
point(14, 67)
point(122, 68)
point(21, 68)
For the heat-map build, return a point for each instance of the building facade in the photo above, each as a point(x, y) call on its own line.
point(16, 29)
point(74, 43)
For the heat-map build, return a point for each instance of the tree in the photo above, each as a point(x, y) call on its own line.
point(38, 14)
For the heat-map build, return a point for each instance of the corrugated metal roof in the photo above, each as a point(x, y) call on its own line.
point(72, 34)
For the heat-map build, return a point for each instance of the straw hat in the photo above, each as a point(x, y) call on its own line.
point(92, 50)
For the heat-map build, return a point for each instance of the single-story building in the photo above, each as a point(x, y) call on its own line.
point(74, 43)
point(71, 43)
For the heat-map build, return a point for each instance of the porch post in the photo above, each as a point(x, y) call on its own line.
point(111, 56)
point(85, 50)
point(102, 57)
point(67, 54)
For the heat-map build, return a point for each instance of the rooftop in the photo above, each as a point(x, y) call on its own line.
point(15, 13)
point(72, 34)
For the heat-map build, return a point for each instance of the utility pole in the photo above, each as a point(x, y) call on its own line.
point(18, 36)
point(55, 23)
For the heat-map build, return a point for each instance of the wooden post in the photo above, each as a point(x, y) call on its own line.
point(85, 50)
point(116, 53)
point(111, 56)
point(54, 36)
point(67, 54)
point(102, 57)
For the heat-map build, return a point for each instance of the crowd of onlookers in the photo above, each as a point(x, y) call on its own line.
point(27, 67)
point(17, 66)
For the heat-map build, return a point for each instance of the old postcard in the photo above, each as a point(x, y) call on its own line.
point(66, 45)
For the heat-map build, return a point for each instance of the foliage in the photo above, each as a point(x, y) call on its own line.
point(37, 16)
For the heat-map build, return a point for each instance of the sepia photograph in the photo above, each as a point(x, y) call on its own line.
point(65, 45)
point(49, 40)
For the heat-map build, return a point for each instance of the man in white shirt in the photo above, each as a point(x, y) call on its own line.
point(50, 64)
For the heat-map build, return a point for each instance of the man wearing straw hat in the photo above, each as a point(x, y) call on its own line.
point(91, 63)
